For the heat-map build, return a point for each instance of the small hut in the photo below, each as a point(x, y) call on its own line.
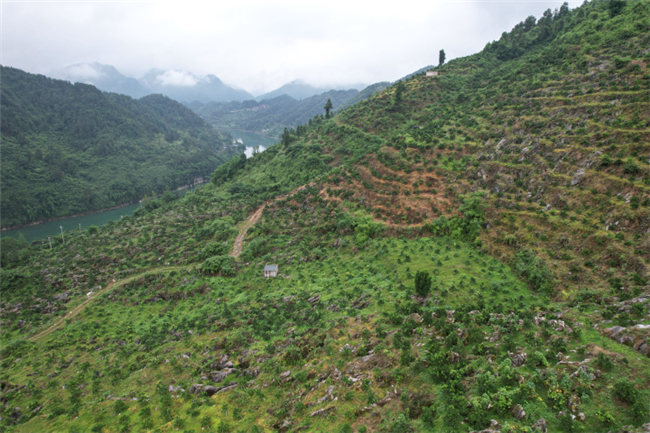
point(270, 271)
point(432, 73)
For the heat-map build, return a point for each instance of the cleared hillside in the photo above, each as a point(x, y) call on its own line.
point(460, 253)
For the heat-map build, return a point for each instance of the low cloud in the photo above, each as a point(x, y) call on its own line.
point(83, 72)
point(176, 78)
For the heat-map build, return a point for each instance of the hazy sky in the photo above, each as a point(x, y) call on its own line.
point(256, 45)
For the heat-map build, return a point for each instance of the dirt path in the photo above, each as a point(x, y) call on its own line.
point(236, 251)
point(111, 286)
point(239, 240)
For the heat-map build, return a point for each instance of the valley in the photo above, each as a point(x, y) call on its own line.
point(466, 252)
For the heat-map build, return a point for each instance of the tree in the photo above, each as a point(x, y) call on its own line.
point(441, 58)
point(615, 7)
point(422, 283)
point(399, 92)
point(286, 138)
point(328, 107)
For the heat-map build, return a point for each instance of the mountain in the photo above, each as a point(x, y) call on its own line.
point(70, 148)
point(271, 116)
point(460, 253)
point(181, 86)
point(299, 89)
point(186, 87)
point(104, 77)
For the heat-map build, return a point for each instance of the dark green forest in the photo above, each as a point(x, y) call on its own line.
point(70, 148)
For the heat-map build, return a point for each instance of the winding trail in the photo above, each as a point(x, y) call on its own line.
point(236, 251)
point(239, 240)
point(111, 286)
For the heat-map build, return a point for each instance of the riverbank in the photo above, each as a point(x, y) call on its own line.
point(252, 132)
point(92, 212)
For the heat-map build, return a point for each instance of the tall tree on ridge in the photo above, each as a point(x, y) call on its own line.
point(441, 58)
point(328, 107)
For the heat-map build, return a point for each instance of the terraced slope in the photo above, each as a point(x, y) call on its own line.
point(449, 266)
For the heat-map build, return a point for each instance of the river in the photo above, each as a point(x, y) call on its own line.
point(251, 139)
point(52, 228)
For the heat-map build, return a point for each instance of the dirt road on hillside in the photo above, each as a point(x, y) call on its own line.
point(111, 286)
point(239, 240)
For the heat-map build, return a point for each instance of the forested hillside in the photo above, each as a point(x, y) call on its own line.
point(272, 115)
point(69, 149)
point(464, 253)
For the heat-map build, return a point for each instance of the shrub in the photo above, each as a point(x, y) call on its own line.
point(214, 249)
point(400, 425)
point(535, 271)
point(624, 390)
point(219, 265)
point(422, 283)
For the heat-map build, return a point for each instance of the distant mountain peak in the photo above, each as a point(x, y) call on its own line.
point(183, 86)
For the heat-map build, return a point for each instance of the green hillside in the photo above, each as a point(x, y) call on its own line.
point(69, 149)
point(461, 253)
point(273, 115)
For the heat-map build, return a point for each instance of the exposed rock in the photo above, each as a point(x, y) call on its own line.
point(518, 359)
point(578, 176)
point(196, 389)
point(219, 376)
point(210, 390)
point(314, 299)
point(540, 426)
point(453, 357)
point(284, 426)
point(614, 331)
point(227, 388)
point(518, 412)
point(323, 412)
point(574, 402)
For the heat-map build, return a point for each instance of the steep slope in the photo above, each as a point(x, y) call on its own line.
point(412, 296)
point(69, 148)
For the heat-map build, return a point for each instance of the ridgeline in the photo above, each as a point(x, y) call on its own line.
point(466, 252)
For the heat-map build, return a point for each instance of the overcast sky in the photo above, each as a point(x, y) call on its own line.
point(256, 45)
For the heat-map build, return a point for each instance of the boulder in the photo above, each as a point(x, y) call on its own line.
point(323, 412)
point(615, 330)
point(518, 359)
point(227, 388)
point(196, 389)
point(540, 426)
point(578, 177)
point(518, 412)
point(210, 390)
point(219, 376)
